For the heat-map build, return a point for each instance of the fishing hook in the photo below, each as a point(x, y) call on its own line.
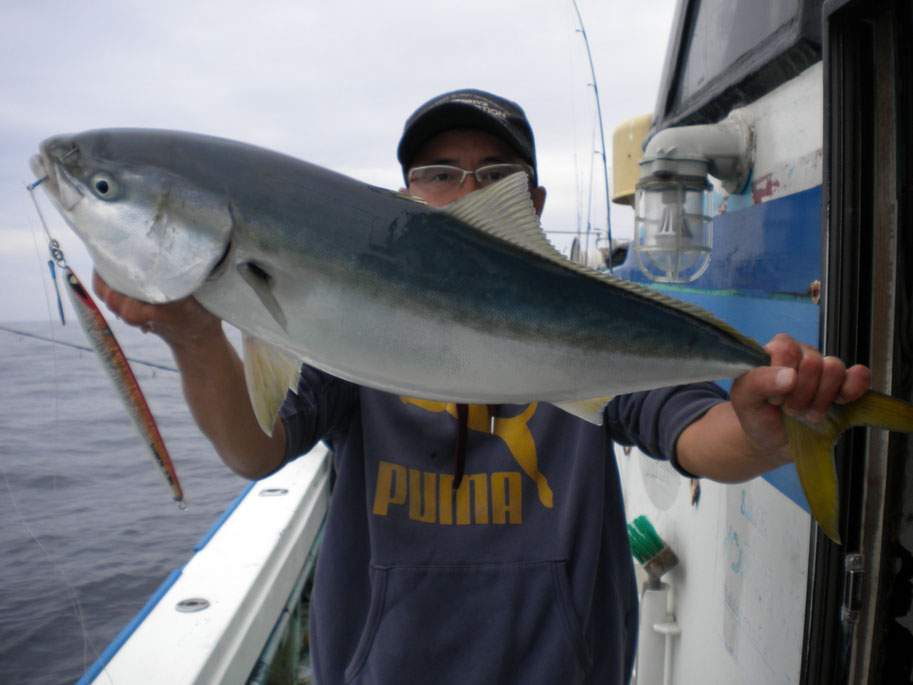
point(30, 187)
point(53, 247)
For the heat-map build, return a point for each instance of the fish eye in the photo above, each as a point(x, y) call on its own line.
point(104, 185)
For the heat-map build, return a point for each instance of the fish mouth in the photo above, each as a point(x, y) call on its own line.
point(49, 171)
point(36, 164)
point(42, 175)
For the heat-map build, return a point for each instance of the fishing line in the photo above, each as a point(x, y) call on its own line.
point(53, 246)
point(59, 260)
point(115, 364)
point(71, 591)
point(31, 187)
point(82, 348)
point(38, 256)
point(57, 257)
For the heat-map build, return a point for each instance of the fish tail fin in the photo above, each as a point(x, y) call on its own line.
point(880, 411)
point(812, 447)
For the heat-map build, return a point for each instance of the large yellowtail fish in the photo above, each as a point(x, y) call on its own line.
point(469, 303)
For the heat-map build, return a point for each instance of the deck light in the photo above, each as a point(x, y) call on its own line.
point(673, 231)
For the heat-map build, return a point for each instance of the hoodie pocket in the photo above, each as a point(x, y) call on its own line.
point(479, 623)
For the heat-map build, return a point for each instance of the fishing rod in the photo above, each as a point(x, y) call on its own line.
point(605, 172)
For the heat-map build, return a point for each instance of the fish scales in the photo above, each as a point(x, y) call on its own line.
point(330, 245)
point(467, 303)
point(433, 293)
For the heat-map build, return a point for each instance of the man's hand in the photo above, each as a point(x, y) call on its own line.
point(181, 323)
point(745, 437)
point(800, 381)
point(212, 377)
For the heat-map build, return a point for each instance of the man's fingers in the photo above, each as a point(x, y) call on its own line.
point(820, 380)
point(857, 382)
point(783, 380)
point(833, 373)
point(807, 384)
point(127, 309)
point(764, 385)
point(784, 351)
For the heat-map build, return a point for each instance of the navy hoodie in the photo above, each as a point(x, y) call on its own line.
point(523, 574)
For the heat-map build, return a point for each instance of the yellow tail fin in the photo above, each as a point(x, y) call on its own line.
point(812, 447)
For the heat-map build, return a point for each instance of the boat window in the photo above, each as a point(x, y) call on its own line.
point(726, 30)
point(727, 53)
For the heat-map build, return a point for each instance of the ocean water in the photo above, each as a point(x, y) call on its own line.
point(88, 529)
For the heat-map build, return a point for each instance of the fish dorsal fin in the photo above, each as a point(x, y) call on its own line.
point(673, 303)
point(409, 196)
point(269, 373)
point(505, 210)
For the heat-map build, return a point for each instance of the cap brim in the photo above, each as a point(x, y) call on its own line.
point(451, 116)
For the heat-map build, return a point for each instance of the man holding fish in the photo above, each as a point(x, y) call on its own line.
point(481, 543)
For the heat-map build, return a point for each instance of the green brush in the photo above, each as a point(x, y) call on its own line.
point(650, 550)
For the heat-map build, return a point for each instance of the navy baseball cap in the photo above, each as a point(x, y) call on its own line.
point(467, 109)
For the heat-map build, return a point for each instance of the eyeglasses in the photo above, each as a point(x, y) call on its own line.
point(441, 178)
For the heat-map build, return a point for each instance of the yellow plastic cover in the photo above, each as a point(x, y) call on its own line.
point(627, 149)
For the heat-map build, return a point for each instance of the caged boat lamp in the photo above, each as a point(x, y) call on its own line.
point(673, 231)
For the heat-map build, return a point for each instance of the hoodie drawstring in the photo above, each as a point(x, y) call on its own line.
point(459, 457)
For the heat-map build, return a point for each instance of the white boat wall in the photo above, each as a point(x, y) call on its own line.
point(739, 590)
point(760, 596)
point(211, 620)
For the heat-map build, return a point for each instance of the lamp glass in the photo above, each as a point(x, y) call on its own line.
point(673, 230)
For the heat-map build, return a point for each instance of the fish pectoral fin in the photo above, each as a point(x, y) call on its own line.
point(262, 284)
point(270, 373)
point(589, 410)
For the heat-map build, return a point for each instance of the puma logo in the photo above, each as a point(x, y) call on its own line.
point(513, 431)
point(431, 497)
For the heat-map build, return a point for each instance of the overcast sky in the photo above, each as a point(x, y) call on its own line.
point(329, 82)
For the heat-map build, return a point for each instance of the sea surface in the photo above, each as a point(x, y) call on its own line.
point(88, 529)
